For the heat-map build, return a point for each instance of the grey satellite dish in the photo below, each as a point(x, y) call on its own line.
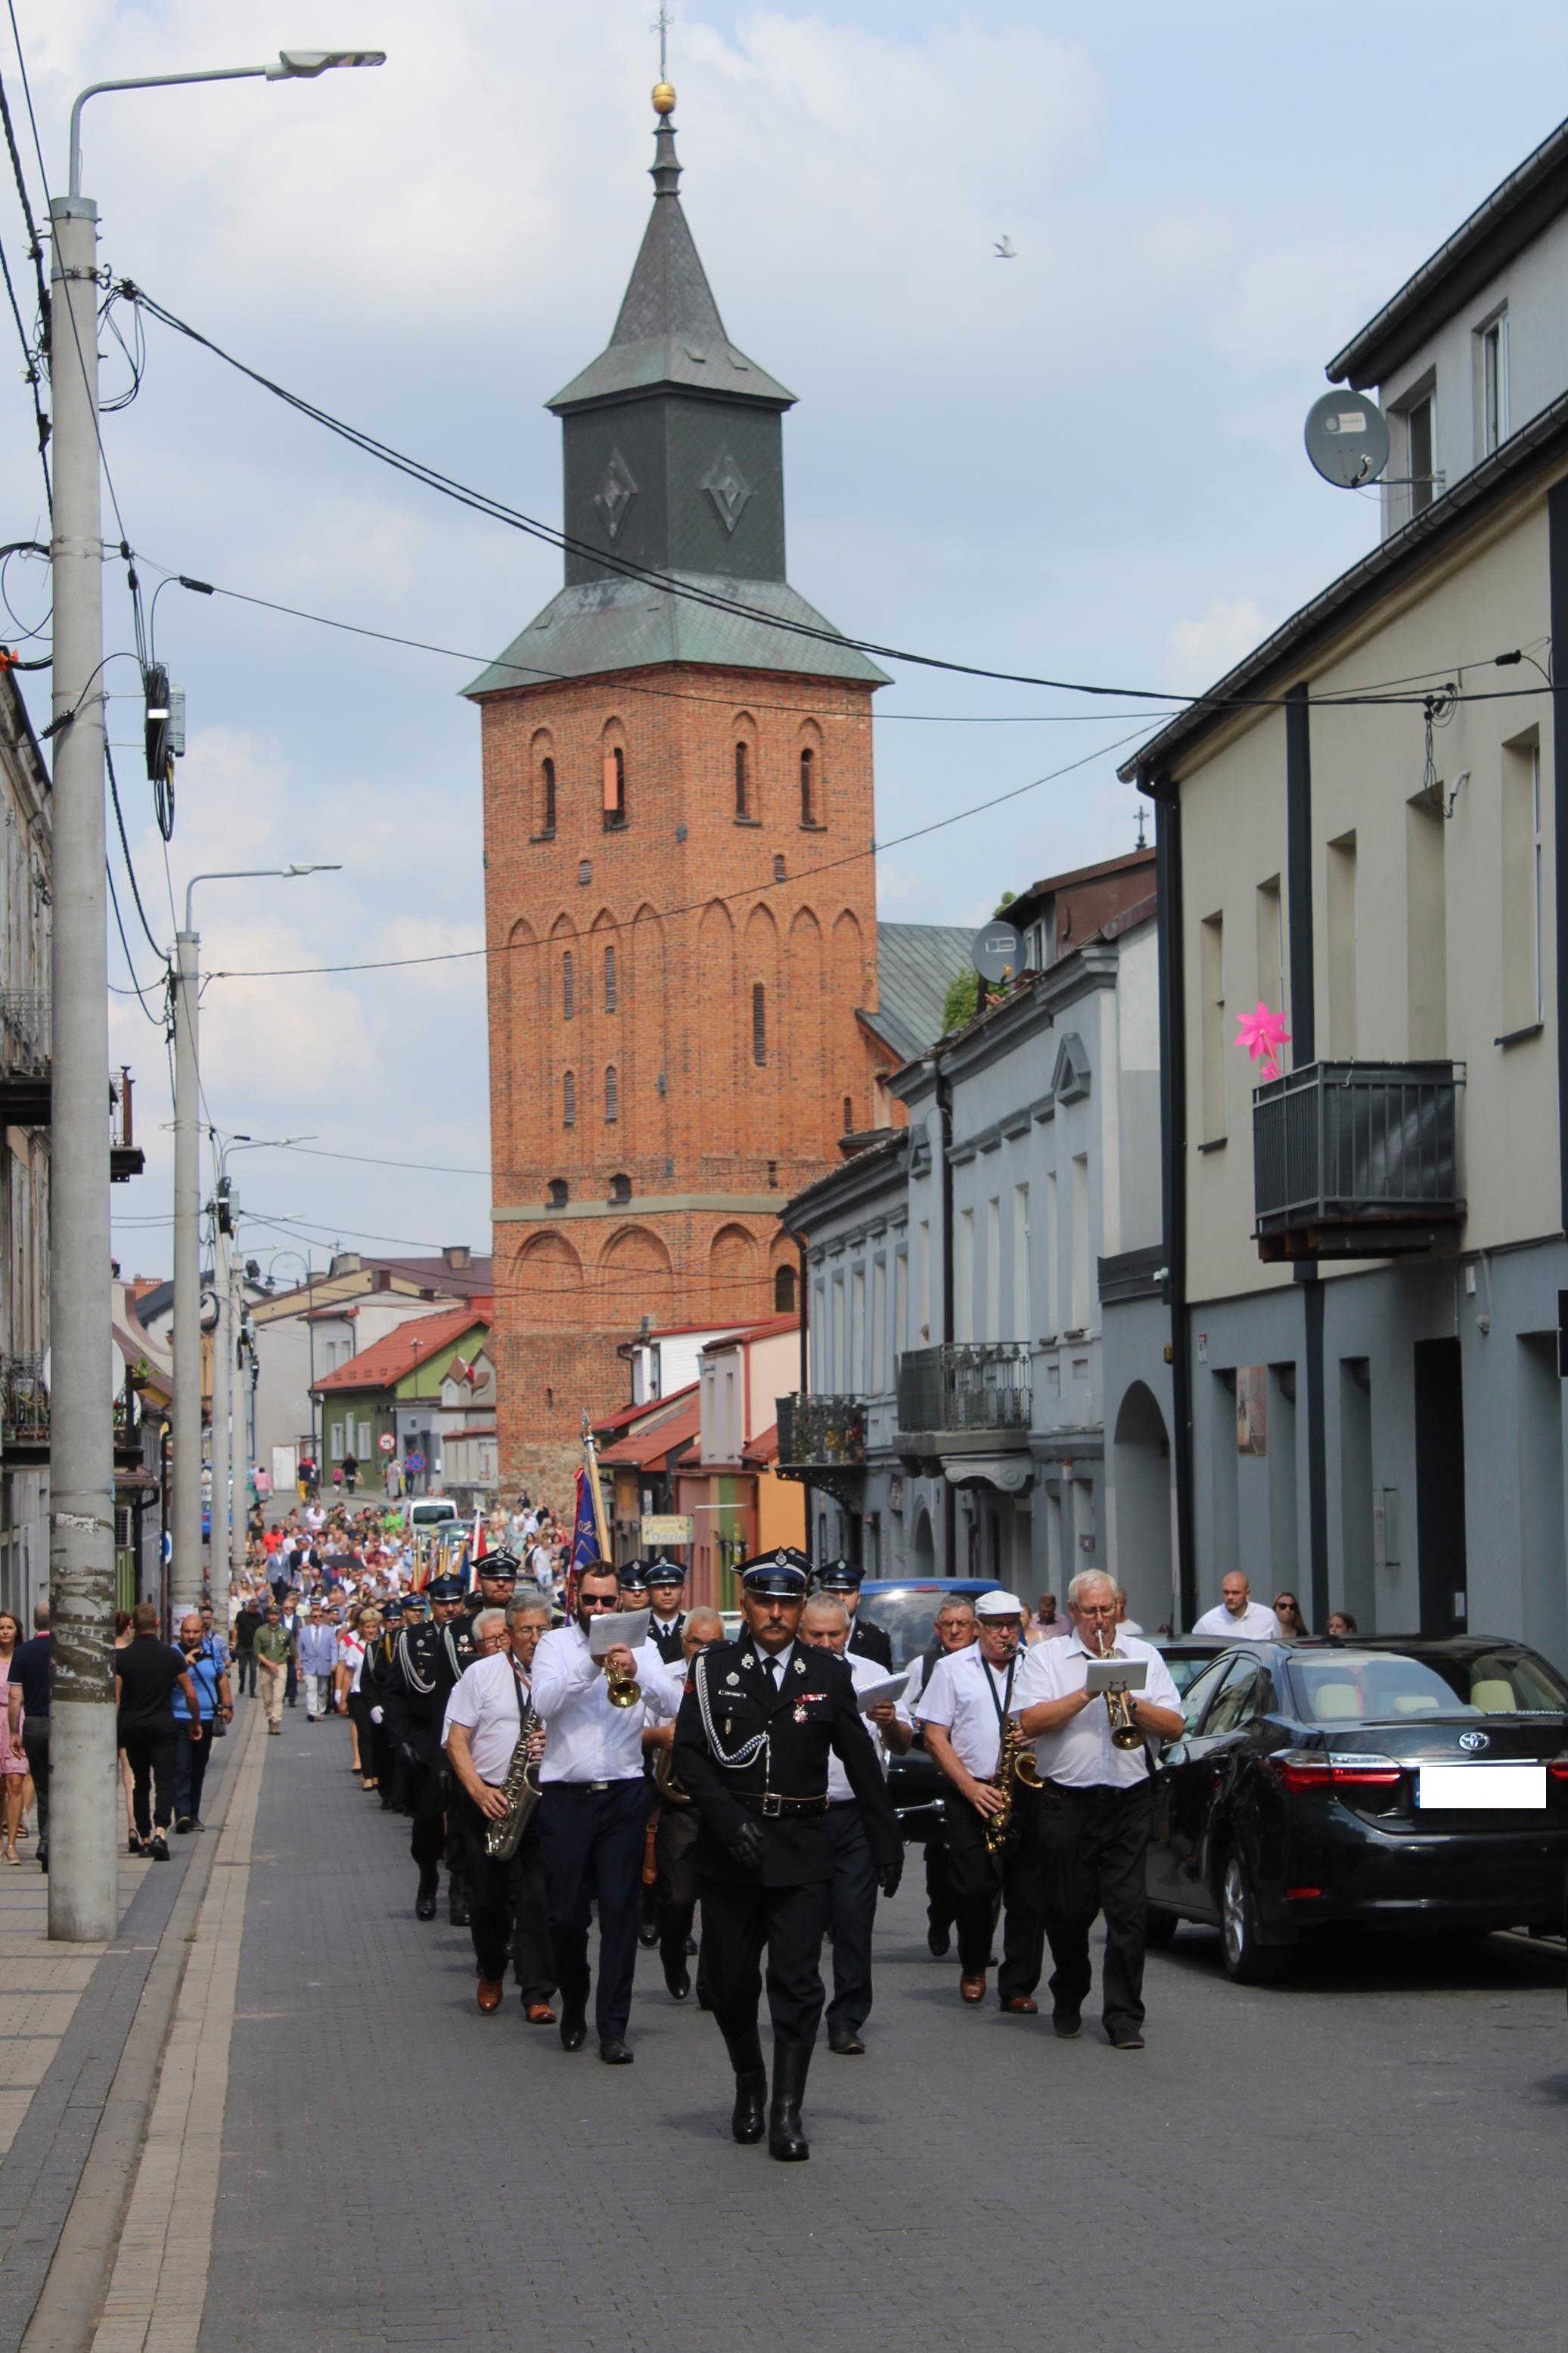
point(997, 953)
point(1347, 439)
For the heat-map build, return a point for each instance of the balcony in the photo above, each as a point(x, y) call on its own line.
point(23, 1058)
point(24, 1412)
point(978, 1386)
point(822, 1432)
point(1356, 1160)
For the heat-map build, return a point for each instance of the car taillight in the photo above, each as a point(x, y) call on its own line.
point(1304, 1772)
point(1558, 1768)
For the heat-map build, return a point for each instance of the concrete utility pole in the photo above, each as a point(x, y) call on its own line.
point(84, 1812)
point(222, 1381)
point(239, 1452)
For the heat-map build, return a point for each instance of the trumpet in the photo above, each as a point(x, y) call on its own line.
point(624, 1690)
point(1125, 1732)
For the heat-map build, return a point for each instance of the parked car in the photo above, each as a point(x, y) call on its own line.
point(907, 1610)
point(1187, 1655)
point(1388, 1782)
point(428, 1513)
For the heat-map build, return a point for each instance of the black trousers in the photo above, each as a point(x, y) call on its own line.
point(1094, 1842)
point(676, 1891)
point(741, 1919)
point(978, 1882)
point(359, 1714)
point(191, 1769)
point(851, 1912)
point(506, 1902)
point(591, 1843)
point(939, 1893)
point(150, 1753)
point(35, 1749)
point(245, 1669)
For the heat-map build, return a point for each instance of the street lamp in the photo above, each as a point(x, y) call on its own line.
point(185, 1567)
point(227, 1523)
point(310, 1331)
point(83, 1881)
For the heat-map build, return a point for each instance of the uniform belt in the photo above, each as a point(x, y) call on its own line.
point(772, 1803)
point(835, 1805)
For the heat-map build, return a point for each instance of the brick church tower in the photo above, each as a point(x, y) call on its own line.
point(676, 782)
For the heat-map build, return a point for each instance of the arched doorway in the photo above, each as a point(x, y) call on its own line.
point(1140, 1488)
point(923, 1558)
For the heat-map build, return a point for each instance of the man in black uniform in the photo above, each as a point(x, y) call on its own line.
point(666, 1587)
point(497, 1590)
point(866, 1638)
point(752, 1744)
point(374, 1677)
point(427, 1662)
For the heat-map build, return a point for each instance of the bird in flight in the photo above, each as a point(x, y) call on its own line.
point(1005, 249)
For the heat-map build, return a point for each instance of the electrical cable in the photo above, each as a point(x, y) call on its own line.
point(17, 548)
point(136, 989)
point(691, 906)
point(496, 510)
point(31, 371)
point(156, 946)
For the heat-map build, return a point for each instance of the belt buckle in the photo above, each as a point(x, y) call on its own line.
point(772, 1804)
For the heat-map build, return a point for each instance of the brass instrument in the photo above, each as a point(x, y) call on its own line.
point(669, 1789)
point(624, 1690)
point(1124, 1731)
point(1016, 1767)
point(520, 1790)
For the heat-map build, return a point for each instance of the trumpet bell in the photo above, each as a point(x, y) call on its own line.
point(1126, 1735)
point(624, 1692)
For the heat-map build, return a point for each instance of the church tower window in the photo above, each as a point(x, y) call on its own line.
point(614, 788)
point(759, 1023)
point(783, 1291)
point(609, 980)
point(810, 807)
point(743, 781)
point(547, 795)
point(612, 1095)
point(568, 987)
point(569, 1100)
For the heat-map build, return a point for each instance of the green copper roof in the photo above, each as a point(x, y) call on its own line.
point(669, 331)
point(609, 625)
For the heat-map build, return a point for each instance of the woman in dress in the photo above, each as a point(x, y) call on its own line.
point(13, 1763)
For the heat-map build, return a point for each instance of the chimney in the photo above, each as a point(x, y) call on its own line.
point(457, 1257)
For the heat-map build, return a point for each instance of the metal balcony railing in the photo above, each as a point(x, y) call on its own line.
point(23, 1033)
point(1341, 1149)
point(975, 1385)
point(825, 1431)
point(24, 1401)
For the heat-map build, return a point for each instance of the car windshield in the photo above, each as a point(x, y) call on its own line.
point(909, 1619)
point(1380, 1687)
point(1186, 1666)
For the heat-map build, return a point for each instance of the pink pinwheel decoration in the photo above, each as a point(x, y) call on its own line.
point(1263, 1033)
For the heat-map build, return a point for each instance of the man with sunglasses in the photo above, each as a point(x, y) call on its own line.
point(594, 1809)
point(428, 1660)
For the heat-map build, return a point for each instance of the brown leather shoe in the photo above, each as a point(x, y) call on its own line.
point(540, 2013)
point(491, 1994)
point(1021, 2006)
point(972, 1989)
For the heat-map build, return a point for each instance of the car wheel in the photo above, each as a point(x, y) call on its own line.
point(1247, 1962)
point(1160, 1928)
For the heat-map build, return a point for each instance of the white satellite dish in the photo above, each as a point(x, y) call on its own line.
point(1347, 439)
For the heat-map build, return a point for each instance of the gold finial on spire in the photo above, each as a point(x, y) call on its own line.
point(664, 97)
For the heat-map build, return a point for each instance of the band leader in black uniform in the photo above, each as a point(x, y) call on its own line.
point(866, 1638)
point(752, 1744)
point(427, 1662)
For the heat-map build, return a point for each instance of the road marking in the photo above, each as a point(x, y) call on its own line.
point(160, 2279)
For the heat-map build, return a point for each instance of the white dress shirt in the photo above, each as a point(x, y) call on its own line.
point(1079, 1754)
point(487, 1700)
point(1256, 1624)
point(865, 1671)
point(586, 1739)
point(957, 1698)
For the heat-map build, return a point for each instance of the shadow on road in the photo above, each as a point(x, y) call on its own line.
point(1393, 1963)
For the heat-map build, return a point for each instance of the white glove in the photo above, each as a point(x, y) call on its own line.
point(377, 1714)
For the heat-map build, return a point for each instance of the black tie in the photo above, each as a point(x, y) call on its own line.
point(775, 1670)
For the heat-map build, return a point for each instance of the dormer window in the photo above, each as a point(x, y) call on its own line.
point(1421, 437)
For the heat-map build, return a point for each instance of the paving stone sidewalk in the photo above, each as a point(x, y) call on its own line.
point(1371, 2157)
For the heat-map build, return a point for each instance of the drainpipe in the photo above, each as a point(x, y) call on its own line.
point(944, 1107)
point(1174, 1170)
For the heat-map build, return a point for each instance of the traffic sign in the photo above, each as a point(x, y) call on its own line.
point(415, 1461)
point(387, 1443)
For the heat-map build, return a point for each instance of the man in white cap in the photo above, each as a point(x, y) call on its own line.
point(964, 1708)
point(1095, 1805)
point(1237, 1618)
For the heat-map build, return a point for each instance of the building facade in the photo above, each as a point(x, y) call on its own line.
point(25, 934)
point(684, 1002)
point(1366, 1255)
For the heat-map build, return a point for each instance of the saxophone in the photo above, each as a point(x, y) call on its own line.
point(521, 1790)
point(1016, 1767)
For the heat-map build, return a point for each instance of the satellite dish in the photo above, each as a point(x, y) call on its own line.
point(1347, 439)
point(997, 953)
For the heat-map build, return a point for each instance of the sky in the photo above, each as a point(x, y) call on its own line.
point(1084, 464)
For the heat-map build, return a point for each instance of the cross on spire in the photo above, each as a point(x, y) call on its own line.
point(661, 24)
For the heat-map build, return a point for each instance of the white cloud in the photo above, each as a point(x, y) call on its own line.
point(1203, 648)
point(1186, 245)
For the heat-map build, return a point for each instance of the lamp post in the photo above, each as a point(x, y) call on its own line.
point(84, 1812)
point(227, 1522)
point(311, 1336)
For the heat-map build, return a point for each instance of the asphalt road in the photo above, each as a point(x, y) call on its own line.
point(1370, 2157)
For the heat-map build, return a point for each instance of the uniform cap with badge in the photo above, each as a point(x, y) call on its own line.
point(839, 1576)
point(780, 1575)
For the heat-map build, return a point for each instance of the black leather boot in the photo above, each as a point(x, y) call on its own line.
point(751, 2087)
point(424, 1902)
point(786, 2135)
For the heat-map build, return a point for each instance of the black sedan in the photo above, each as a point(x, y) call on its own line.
point(1393, 1782)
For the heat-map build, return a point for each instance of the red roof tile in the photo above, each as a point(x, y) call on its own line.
point(384, 1364)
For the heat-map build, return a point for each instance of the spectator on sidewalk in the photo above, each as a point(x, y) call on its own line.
point(318, 1641)
point(147, 1674)
point(194, 1736)
point(13, 1756)
point(293, 1626)
point(246, 1626)
point(275, 1658)
point(28, 1710)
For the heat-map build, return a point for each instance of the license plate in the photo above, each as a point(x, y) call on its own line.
point(1477, 1788)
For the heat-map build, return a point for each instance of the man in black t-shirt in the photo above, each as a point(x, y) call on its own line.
point(146, 1673)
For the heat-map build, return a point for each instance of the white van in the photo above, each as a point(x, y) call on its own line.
point(428, 1513)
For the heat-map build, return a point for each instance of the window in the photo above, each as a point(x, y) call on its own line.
point(963, 1277)
point(1211, 1015)
point(1271, 944)
point(609, 980)
point(877, 1330)
point(1237, 1701)
point(1426, 931)
point(1081, 1304)
point(1523, 992)
point(1342, 949)
point(1494, 385)
point(620, 1189)
point(559, 1193)
point(1421, 433)
point(547, 795)
point(783, 1291)
point(1020, 1261)
point(922, 1277)
point(1053, 1276)
point(759, 1023)
point(612, 1095)
point(992, 1269)
point(857, 1331)
point(743, 781)
point(569, 1100)
point(615, 788)
point(900, 1303)
point(848, 1127)
point(568, 987)
point(809, 811)
point(778, 866)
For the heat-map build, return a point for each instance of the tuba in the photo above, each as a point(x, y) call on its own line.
point(1125, 1732)
point(520, 1790)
